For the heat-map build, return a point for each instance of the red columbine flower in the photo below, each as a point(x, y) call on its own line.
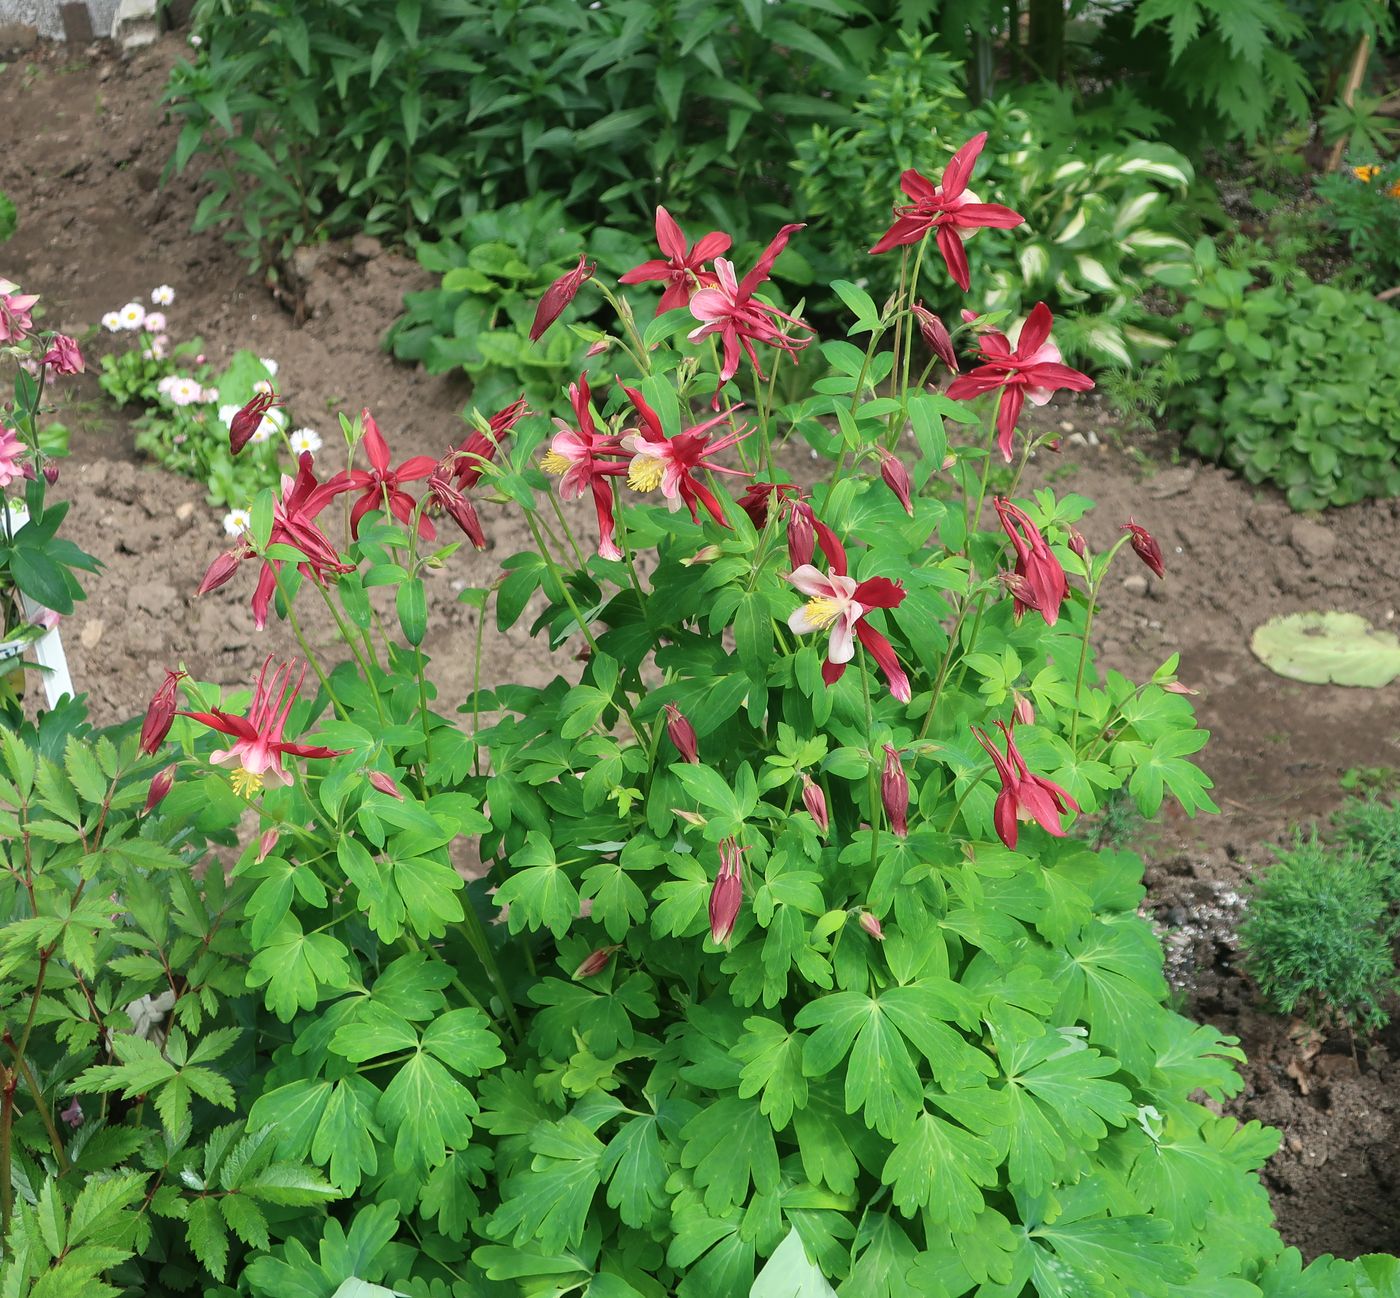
point(814, 799)
point(1023, 796)
point(1040, 580)
point(470, 458)
point(63, 356)
point(246, 422)
point(294, 524)
point(730, 310)
point(258, 746)
point(671, 463)
point(559, 294)
point(840, 603)
point(761, 498)
point(1033, 370)
point(896, 478)
point(684, 271)
point(15, 308)
point(948, 208)
point(935, 334)
point(160, 714)
point(1145, 547)
point(380, 486)
point(682, 734)
point(576, 454)
point(727, 894)
point(894, 793)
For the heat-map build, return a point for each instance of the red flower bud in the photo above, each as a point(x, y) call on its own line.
point(896, 478)
point(1146, 547)
point(51, 473)
point(801, 533)
point(894, 793)
point(161, 784)
point(1078, 544)
point(245, 423)
point(872, 926)
point(559, 294)
point(1176, 687)
point(935, 334)
point(595, 962)
point(385, 784)
point(160, 714)
point(457, 507)
point(682, 734)
point(815, 801)
point(266, 843)
point(222, 569)
point(728, 891)
point(63, 356)
point(1021, 708)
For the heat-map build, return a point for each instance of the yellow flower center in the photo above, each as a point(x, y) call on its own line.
point(554, 463)
point(822, 612)
point(645, 473)
point(245, 783)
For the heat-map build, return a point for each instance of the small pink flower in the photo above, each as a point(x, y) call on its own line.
point(585, 460)
point(73, 1114)
point(14, 462)
point(15, 308)
point(63, 356)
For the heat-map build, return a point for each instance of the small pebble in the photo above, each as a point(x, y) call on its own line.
point(1136, 584)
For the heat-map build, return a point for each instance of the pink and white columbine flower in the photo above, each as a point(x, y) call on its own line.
point(730, 310)
point(259, 748)
point(15, 320)
point(14, 465)
point(1033, 371)
point(839, 603)
point(578, 456)
point(671, 463)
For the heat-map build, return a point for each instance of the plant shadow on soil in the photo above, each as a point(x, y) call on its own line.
point(83, 162)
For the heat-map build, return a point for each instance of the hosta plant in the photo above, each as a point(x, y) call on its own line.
point(748, 948)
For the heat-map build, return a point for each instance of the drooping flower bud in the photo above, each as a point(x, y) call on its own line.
point(894, 793)
point(705, 554)
point(814, 799)
point(63, 356)
point(559, 294)
point(728, 891)
point(1145, 547)
point(1176, 687)
point(266, 843)
point(600, 348)
point(1078, 544)
point(457, 507)
point(222, 569)
point(160, 714)
point(385, 784)
point(968, 316)
point(161, 784)
point(896, 478)
point(872, 926)
point(682, 734)
point(1021, 708)
point(935, 334)
point(51, 473)
point(595, 962)
point(801, 533)
point(247, 421)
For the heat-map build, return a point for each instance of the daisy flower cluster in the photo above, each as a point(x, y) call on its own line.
point(134, 317)
point(180, 390)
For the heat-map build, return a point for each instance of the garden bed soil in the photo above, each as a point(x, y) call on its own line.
point(84, 158)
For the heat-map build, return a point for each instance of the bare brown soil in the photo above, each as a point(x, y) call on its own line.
point(83, 160)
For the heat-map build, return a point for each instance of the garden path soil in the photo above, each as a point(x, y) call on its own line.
point(83, 160)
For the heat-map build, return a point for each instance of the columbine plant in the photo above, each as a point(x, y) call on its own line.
point(744, 944)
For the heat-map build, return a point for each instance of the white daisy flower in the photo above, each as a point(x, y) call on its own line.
point(269, 365)
point(226, 414)
point(132, 315)
point(112, 322)
point(305, 439)
point(163, 387)
point(155, 321)
point(164, 295)
point(238, 521)
point(196, 39)
point(185, 392)
point(261, 387)
point(209, 396)
point(263, 432)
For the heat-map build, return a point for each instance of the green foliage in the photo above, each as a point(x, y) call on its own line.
point(493, 275)
point(1317, 937)
point(1288, 382)
point(1372, 826)
point(9, 217)
point(1102, 220)
point(1362, 204)
point(320, 118)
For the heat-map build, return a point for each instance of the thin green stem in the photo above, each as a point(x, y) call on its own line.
point(45, 1115)
point(348, 636)
point(872, 780)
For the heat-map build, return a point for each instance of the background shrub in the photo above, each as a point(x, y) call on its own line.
point(1317, 938)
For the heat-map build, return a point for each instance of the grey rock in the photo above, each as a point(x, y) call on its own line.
point(1312, 540)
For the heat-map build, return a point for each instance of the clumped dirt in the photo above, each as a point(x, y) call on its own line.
point(83, 160)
